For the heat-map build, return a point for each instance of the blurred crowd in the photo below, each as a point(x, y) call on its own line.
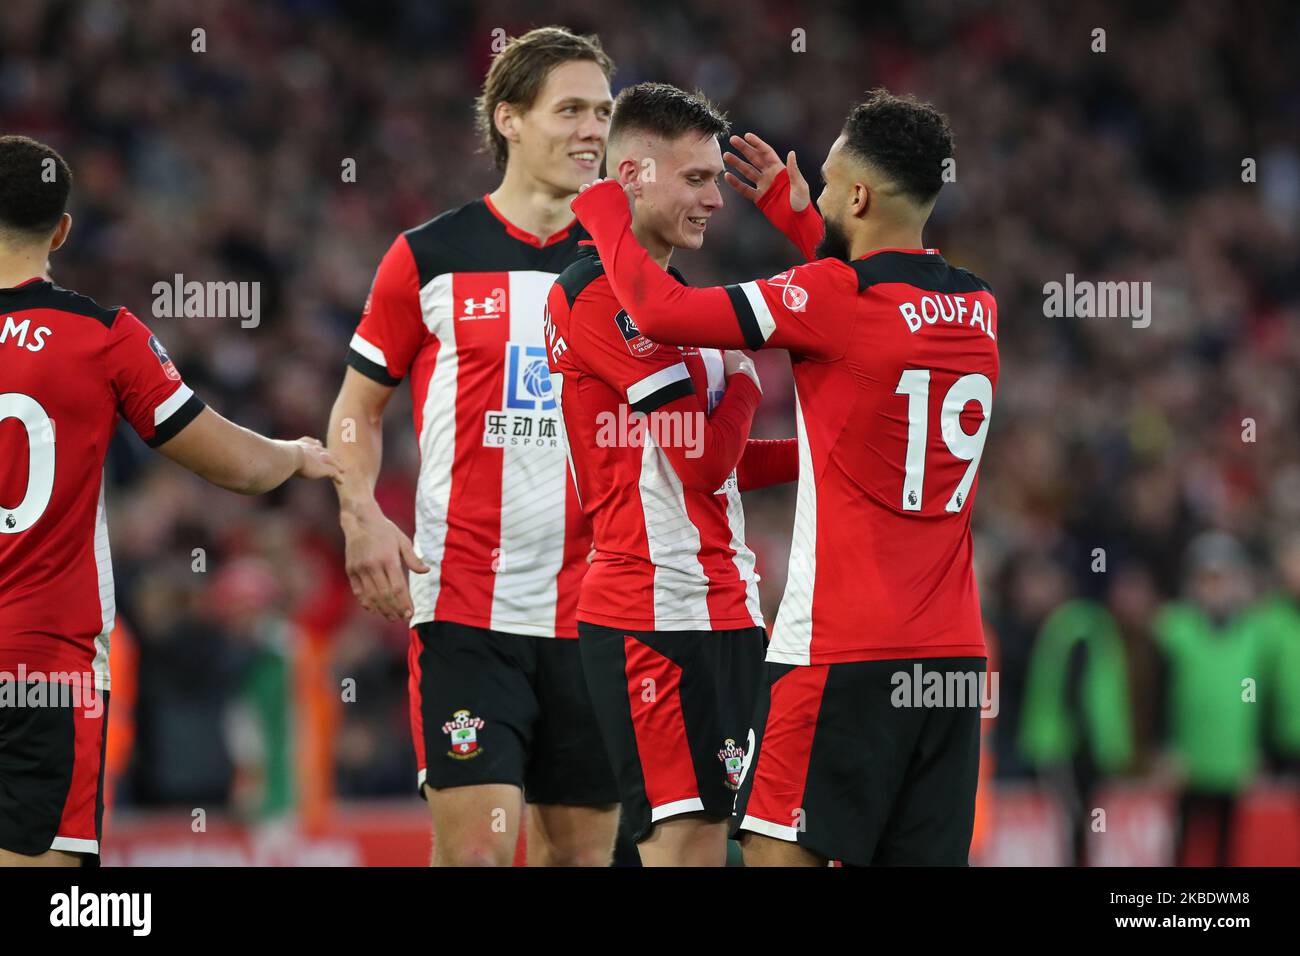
point(1164, 150)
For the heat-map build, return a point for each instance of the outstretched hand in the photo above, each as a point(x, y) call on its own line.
point(759, 163)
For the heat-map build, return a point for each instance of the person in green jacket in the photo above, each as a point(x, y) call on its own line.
point(1075, 727)
point(1277, 623)
point(1213, 667)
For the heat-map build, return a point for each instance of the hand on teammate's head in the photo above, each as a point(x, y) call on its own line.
point(759, 163)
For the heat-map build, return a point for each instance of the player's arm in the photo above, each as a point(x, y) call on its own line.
point(237, 459)
point(171, 418)
point(778, 190)
point(806, 310)
point(722, 437)
point(377, 551)
point(767, 462)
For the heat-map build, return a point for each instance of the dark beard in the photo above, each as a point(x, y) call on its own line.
point(834, 244)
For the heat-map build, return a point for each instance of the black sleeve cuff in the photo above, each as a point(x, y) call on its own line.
point(177, 421)
point(745, 317)
point(669, 393)
point(371, 370)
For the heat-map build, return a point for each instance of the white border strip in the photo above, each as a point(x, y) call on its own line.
point(171, 404)
point(74, 845)
point(368, 351)
point(655, 381)
point(767, 828)
point(676, 808)
point(766, 324)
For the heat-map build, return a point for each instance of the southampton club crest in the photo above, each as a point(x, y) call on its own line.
point(733, 763)
point(463, 730)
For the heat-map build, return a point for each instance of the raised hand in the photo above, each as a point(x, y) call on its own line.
point(759, 163)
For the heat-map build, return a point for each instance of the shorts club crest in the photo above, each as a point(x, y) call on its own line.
point(733, 763)
point(463, 729)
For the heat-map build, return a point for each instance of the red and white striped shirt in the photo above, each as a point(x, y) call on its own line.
point(69, 369)
point(457, 306)
point(896, 368)
point(659, 444)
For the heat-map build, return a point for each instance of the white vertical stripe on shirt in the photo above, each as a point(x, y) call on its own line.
point(792, 634)
point(437, 441)
point(681, 587)
point(107, 599)
point(532, 533)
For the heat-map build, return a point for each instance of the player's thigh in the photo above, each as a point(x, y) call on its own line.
point(560, 835)
point(693, 839)
point(568, 765)
point(719, 691)
point(49, 858)
point(473, 708)
point(759, 850)
point(52, 775)
point(829, 756)
point(475, 825)
point(934, 814)
point(667, 704)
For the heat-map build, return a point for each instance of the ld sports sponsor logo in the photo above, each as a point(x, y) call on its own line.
point(529, 414)
point(463, 730)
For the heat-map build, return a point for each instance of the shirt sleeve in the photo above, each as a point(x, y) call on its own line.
point(805, 229)
point(808, 309)
point(392, 328)
point(644, 372)
point(148, 388)
point(654, 379)
point(768, 462)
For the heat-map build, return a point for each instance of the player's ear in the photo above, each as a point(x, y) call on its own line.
point(506, 120)
point(628, 173)
point(860, 200)
point(61, 232)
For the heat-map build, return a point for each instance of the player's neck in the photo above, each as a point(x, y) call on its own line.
point(531, 205)
point(659, 250)
point(17, 266)
point(894, 233)
point(885, 239)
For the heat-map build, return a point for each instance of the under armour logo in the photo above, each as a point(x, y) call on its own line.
point(492, 306)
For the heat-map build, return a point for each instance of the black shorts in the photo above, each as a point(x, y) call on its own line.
point(489, 707)
point(850, 762)
point(674, 709)
point(52, 770)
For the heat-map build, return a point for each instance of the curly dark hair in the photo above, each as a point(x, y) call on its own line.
point(665, 111)
point(904, 138)
point(518, 72)
point(34, 186)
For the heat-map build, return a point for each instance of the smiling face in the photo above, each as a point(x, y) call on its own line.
point(560, 139)
point(676, 187)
